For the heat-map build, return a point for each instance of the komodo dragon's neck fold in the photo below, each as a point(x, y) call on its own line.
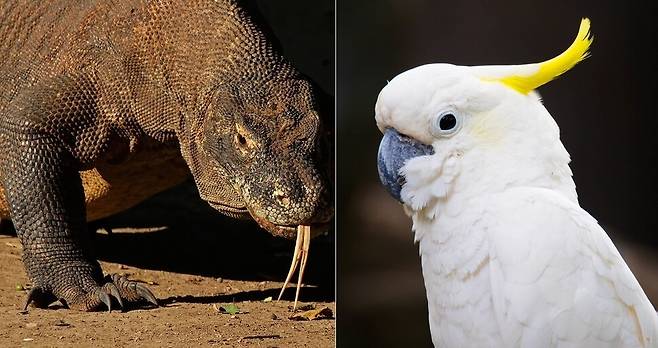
point(187, 54)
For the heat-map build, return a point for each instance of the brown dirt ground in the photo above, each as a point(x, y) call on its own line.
point(193, 259)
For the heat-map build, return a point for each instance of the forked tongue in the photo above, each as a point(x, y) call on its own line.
point(299, 257)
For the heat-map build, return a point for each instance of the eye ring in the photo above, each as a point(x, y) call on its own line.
point(446, 124)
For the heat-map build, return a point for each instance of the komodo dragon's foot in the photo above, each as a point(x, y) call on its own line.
point(116, 288)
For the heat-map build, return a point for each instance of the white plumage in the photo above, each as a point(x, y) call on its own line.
point(509, 257)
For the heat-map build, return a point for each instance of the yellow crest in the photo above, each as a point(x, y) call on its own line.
point(555, 67)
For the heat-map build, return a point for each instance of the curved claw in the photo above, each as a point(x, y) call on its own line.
point(31, 296)
point(39, 298)
point(114, 287)
point(114, 291)
point(146, 294)
point(133, 290)
point(105, 298)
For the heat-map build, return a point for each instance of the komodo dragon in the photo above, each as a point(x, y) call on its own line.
point(109, 102)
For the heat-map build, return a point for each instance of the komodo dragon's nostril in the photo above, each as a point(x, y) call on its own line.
point(281, 198)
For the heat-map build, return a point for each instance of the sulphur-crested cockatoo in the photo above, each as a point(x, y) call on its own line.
point(509, 257)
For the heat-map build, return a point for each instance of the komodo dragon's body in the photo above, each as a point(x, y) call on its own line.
point(110, 102)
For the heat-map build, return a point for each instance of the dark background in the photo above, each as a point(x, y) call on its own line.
point(605, 107)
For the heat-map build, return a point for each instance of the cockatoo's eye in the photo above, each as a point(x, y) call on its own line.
point(445, 124)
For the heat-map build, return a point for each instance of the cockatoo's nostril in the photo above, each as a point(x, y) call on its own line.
point(395, 150)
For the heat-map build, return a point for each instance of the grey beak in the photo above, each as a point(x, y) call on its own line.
point(395, 150)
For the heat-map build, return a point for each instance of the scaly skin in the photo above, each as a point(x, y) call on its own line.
point(109, 102)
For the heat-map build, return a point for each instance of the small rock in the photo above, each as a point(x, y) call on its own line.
point(274, 317)
point(220, 280)
point(28, 339)
point(30, 325)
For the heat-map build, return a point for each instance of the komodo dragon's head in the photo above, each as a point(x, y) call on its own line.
point(252, 138)
point(257, 152)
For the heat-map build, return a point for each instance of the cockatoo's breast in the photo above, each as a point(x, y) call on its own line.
point(454, 253)
point(528, 267)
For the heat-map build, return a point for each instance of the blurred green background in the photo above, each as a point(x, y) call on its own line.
point(605, 108)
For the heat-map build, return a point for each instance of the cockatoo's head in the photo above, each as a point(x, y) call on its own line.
point(478, 128)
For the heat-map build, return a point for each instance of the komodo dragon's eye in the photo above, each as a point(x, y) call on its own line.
point(243, 139)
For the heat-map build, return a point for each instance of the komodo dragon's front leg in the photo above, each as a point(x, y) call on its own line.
point(46, 198)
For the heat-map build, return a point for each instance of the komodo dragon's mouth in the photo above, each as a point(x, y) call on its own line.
point(288, 231)
point(234, 212)
point(302, 233)
point(285, 231)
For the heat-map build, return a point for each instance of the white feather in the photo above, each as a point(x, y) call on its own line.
point(509, 257)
